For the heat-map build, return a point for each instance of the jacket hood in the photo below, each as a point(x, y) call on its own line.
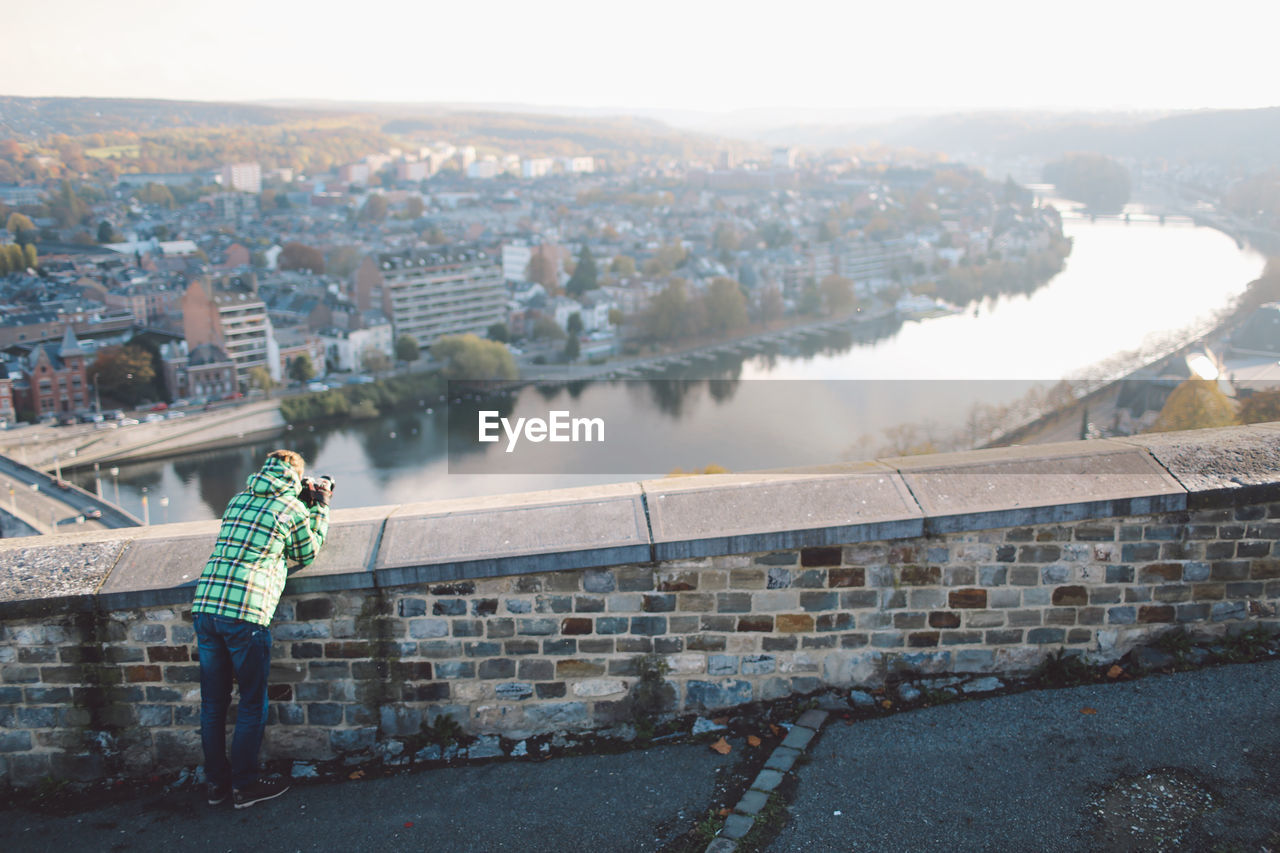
point(276, 478)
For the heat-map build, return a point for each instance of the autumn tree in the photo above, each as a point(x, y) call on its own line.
point(543, 268)
point(22, 228)
point(123, 373)
point(1195, 404)
point(157, 194)
point(67, 207)
point(260, 377)
point(29, 256)
point(1261, 407)
point(17, 257)
point(414, 207)
point(671, 314)
point(726, 306)
point(407, 349)
point(837, 294)
point(299, 256)
point(472, 357)
point(623, 266)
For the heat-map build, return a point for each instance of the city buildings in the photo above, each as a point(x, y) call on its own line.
point(435, 291)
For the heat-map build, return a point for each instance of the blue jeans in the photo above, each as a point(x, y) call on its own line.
point(232, 648)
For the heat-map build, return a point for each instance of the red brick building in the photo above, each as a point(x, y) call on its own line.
point(56, 378)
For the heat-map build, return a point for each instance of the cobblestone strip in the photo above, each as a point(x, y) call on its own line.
point(784, 757)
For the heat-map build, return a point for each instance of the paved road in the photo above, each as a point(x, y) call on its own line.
point(1009, 773)
point(628, 802)
point(1018, 772)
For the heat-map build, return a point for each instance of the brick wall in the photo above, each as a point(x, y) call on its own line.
point(100, 692)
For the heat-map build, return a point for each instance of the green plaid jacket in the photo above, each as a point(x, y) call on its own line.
point(263, 526)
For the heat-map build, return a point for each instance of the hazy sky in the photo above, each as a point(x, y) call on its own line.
point(691, 54)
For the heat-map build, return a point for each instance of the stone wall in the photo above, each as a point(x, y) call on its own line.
point(524, 617)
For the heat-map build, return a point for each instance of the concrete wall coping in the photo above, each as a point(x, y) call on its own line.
point(674, 518)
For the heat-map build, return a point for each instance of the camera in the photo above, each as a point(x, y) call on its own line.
point(316, 491)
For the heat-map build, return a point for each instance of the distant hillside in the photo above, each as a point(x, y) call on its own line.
point(125, 135)
point(1244, 136)
point(37, 118)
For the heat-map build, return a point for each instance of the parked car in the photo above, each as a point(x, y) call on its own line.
point(93, 513)
point(178, 403)
point(107, 425)
point(128, 422)
point(153, 417)
point(317, 386)
point(115, 414)
point(171, 415)
point(159, 407)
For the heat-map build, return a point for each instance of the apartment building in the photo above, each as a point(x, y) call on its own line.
point(228, 314)
point(435, 291)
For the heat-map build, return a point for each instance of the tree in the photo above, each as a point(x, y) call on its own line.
point(106, 234)
point(543, 268)
point(123, 373)
point(343, 261)
point(572, 349)
point(666, 259)
point(499, 332)
point(414, 207)
point(771, 306)
point(726, 306)
point(407, 349)
point(19, 222)
point(776, 235)
point(1261, 407)
point(623, 266)
point(29, 256)
point(4, 263)
point(301, 369)
point(671, 314)
point(260, 377)
point(616, 317)
point(374, 360)
point(725, 238)
point(585, 275)
point(574, 325)
point(472, 357)
point(17, 257)
point(375, 208)
point(837, 294)
point(67, 207)
point(545, 328)
point(298, 256)
point(1195, 404)
point(1098, 181)
point(157, 194)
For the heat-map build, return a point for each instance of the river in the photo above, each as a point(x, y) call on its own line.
point(1125, 288)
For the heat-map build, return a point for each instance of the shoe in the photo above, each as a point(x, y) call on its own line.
point(258, 792)
point(217, 793)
